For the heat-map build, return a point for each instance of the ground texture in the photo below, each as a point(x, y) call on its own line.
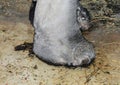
point(18, 66)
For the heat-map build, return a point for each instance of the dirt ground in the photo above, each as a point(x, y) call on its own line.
point(20, 67)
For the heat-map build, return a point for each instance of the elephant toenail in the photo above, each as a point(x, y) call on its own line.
point(85, 61)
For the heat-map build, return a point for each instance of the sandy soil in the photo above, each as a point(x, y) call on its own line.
point(23, 68)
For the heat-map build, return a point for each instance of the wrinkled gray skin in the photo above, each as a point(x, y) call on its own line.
point(58, 39)
point(83, 18)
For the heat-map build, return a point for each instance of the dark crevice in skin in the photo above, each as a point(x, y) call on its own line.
point(32, 11)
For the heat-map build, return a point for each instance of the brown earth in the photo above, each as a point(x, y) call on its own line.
point(23, 68)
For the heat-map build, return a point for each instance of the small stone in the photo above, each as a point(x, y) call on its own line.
point(35, 67)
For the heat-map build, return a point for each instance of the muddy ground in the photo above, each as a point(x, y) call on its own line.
point(18, 66)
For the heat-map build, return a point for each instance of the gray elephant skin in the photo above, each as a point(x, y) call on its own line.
point(58, 38)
